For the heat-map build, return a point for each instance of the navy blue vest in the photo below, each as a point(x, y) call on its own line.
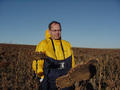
point(54, 69)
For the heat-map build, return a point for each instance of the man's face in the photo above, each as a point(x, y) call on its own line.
point(55, 31)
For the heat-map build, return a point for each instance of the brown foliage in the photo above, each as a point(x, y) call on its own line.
point(16, 70)
point(77, 74)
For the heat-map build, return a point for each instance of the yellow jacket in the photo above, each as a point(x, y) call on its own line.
point(46, 47)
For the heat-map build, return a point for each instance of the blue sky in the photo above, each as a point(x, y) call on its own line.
point(85, 23)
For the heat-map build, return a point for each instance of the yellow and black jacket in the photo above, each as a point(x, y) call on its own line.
point(56, 51)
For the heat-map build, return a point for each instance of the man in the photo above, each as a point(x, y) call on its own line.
point(59, 58)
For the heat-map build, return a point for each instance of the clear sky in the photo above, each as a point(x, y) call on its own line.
point(85, 23)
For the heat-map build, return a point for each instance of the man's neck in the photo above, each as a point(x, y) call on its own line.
point(55, 39)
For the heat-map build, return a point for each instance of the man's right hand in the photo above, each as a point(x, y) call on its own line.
point(41, 79)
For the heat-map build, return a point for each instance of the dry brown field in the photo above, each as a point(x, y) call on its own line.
point(16, 70)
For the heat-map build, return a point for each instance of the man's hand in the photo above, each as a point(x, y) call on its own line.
point(41, 79)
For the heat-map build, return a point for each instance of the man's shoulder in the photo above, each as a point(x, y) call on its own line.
point(41, 46)
point(66, 43)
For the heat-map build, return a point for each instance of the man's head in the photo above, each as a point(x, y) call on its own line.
point(55, 30)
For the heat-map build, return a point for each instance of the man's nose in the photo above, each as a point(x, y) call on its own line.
point(57, 31)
